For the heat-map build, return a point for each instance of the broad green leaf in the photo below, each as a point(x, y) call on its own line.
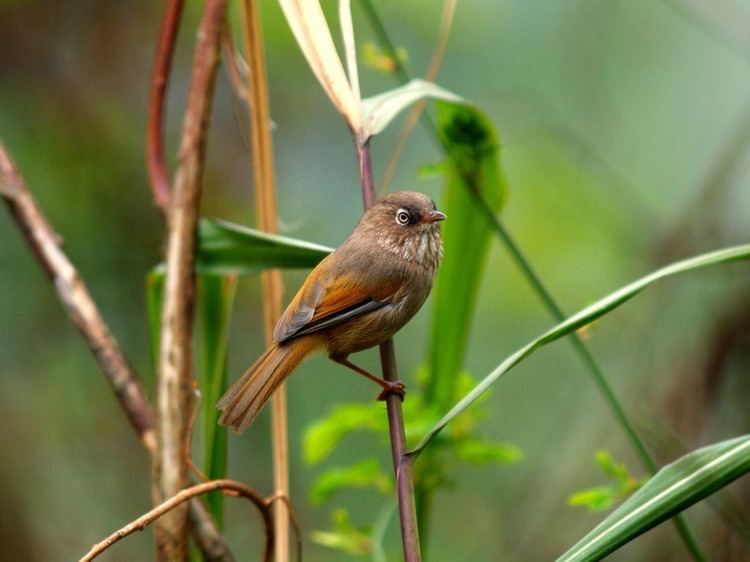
point(365, 474)
point(324, 434)
point(225, 247)
point(582, 318)
point(215, 300)
point(671, 490)
point(382, 109)
point(473, 167)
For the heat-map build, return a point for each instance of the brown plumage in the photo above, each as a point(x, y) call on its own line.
point(356, 298)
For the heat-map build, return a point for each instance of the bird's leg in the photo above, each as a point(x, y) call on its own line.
point(389, 387)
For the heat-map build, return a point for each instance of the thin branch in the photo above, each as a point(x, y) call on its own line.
point(230, 487)
point(292, 520)
point(402, 465)
point(81, 308)
point(235, 64)
point(438, 53)
point(207, 536)
point(46, 245)
point(157, 166)
point(265, 204)
point(176, 379)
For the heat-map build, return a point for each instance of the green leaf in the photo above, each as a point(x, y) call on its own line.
point(154, 302)
point(215, 300)
point(380, 110)
point(582, 318)
point(609, 466)
point(365, 474)
point(225, 247)
point(345, 537)
point(322, 437)
point(671, 490)
point(597, 498)
point(480, 452)
point(472, 168)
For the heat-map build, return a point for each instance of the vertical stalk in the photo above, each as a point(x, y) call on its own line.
point(176, 379)
point(402, 465)
point(265, 203)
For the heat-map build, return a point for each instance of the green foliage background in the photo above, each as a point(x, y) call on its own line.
point(621, 123)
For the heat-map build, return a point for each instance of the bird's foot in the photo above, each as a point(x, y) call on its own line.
point(396, 387)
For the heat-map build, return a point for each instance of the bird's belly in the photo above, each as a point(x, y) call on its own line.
point(369, 330)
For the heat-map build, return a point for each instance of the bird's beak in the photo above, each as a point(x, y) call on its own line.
point(435, 216)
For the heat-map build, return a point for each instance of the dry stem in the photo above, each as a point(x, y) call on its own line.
point(236, 488)
point(176, 379)
point(47, 247)
point(81, 308)
point(265, 203)
point(157, 166)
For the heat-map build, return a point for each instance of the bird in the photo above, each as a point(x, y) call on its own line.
point(358, 297)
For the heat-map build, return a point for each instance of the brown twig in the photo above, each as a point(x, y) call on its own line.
point(206, 535)
point(176, 380)
point(235, 65)
point(446, 22)
point(157, 166)
point(265, 204)
point(293, 520)
point(81, 308)
point(402, 465)
point(228, 486)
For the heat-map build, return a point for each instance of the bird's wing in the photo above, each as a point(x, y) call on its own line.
point(327, 300)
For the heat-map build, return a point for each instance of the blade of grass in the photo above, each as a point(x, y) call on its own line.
point(583, 318)
point(215, 300)
point(673, 489)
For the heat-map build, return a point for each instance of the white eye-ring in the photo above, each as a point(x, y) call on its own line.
point(402, 217)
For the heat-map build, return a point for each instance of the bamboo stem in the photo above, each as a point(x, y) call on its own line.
point(402, 465)
point(265, 203)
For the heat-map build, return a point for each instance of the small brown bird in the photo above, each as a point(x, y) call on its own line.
point(357, 297)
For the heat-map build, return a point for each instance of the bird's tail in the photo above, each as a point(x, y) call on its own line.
point(245, 398)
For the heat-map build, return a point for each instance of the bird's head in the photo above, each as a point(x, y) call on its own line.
point(406, 223)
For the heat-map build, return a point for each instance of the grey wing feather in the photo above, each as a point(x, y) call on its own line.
point(335, 319)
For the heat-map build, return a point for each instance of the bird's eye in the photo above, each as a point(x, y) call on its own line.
point(402, 217)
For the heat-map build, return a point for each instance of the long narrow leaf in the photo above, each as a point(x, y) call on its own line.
point(674, 488)
point(381, 109)
point(215, 300)
point(313, 36)
point(474, 167)
point(582, 318)
point(228, 248)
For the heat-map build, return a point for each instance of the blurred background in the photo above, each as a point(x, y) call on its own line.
point(625, 130)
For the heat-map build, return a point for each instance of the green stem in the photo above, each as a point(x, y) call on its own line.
point(600, 379)
point(535, 281)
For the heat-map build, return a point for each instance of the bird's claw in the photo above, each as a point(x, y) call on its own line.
point(397, 387)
